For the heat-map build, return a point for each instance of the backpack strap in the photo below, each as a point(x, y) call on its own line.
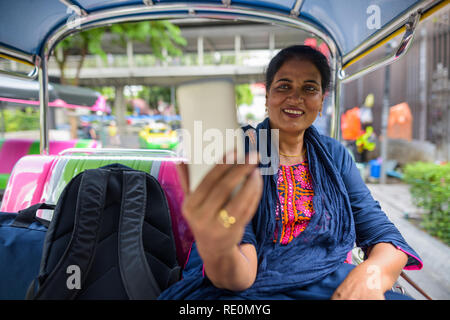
point(27, 216)
point(81, 248)
point(137, 278)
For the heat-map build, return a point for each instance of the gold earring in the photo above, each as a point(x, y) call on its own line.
point(320, 113)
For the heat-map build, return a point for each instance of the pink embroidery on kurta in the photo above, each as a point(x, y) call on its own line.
point(295, 193)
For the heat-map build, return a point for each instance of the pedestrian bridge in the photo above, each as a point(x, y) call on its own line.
point(163, 75)
point(239, 51)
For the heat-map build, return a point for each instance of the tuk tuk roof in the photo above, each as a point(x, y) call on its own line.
point(26, 25)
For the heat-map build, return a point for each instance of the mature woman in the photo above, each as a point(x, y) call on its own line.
point(286, 235)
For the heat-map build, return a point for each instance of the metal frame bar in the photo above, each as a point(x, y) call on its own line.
point(401, 50)
point(148, 2)
point(30, 60)
point(226, 3)
point(17, 55)
point(119, 152)
point(43, 108)
point(78, 10)
point(336, 98)
point(394, 26)
point(32, 75)
point(297, 7)
point(217, 11)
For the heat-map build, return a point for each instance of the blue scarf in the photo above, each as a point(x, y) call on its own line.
point(330, 234)
point(311, 265)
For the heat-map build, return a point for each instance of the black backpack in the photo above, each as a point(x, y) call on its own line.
point(110, 238)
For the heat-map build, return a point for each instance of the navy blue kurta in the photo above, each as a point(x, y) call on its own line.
point(312, 265)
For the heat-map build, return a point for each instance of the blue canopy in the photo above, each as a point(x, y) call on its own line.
point(26, 25)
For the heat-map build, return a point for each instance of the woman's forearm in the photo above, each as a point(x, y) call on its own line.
point(376, 275)
point(235, 270)
point(387, 262)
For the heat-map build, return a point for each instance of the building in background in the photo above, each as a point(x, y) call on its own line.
point(420, 79)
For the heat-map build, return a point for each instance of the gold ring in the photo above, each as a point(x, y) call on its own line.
point(226, 219)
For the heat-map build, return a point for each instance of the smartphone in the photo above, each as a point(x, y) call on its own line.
point(210, 127)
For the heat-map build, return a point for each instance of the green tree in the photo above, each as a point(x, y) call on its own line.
point(160, 35)
point(243, 94)
point(21, 119)
point(430, 190)
point(153, 94)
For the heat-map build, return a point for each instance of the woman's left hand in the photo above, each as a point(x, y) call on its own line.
point(364, 282)
point(376, 275)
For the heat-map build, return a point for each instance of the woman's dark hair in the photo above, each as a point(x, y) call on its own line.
point(301, 52)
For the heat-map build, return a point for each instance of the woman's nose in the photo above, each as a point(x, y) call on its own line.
point(296, 95)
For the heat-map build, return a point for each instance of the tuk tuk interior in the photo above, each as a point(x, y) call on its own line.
point(31, 30)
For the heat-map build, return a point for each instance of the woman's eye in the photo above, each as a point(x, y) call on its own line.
point(283, 86)
point(310, 89)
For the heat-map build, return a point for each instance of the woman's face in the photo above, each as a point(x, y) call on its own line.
point(295, 96)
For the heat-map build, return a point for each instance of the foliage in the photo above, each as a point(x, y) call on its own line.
point(159, 35)
point(21, 119)
point(153, 94)
point(108, 92)
point(430, 189)
point(162, 36)
point(243, 95)
point(87, 42)
point(250, 116)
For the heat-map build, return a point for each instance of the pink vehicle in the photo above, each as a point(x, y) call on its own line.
point(37, 178)
point(18, 93)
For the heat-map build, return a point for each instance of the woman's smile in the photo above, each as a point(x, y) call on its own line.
point(293, 113)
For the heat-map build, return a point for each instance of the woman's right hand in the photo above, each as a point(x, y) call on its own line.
point(201, 208)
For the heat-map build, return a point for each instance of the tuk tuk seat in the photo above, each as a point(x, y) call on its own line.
point(11, 150)
point(37, 178)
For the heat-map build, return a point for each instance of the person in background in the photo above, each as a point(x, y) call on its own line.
point(88, 131)
point(365, 112)
point(113, 135)
point(366, 142)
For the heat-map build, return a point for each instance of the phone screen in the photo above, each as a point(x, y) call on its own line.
point(209, 125)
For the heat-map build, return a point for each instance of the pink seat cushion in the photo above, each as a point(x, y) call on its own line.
point(27, 182)
point(56, 147)
point(32, 175)
point(170, 182)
